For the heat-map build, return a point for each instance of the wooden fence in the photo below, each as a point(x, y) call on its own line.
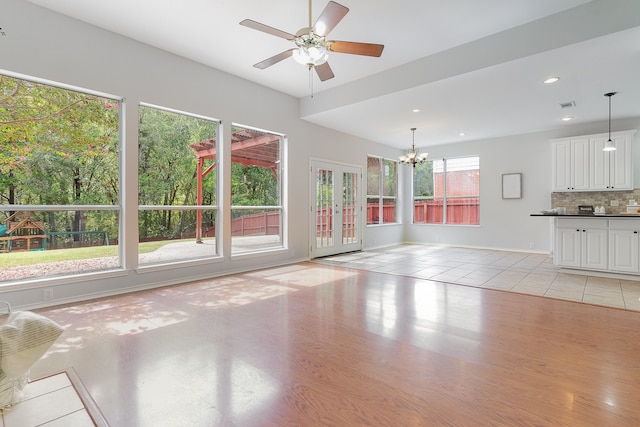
point(459, 211)
point(266, 223)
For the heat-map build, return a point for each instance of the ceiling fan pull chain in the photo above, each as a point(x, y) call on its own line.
point(311, 80)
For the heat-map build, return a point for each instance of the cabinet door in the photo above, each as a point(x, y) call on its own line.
point(562, 166)
point(611, 170)
point(568, 251)
point(621, 164)
point(599, 164)
point(594, 249)
point(623, 250)
point(571, 165)
point(580, 164)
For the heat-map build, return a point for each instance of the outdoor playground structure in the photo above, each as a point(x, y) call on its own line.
point(21, 232)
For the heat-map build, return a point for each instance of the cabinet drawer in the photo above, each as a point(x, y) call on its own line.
point(592, 223)
point(624, 224)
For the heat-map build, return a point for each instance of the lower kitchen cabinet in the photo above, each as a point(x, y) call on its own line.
point(624, 246)
point(582, 243)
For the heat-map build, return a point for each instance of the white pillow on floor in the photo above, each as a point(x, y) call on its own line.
point(24, 339)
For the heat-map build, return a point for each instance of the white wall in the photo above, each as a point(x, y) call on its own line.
point(50, 46)
point(506, 223)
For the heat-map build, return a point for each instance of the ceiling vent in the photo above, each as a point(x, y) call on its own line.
point(569, 104)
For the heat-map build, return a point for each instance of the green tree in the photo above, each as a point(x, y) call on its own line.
point(167, 168)
point(57, 146)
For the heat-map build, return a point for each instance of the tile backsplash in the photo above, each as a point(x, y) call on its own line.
point(572, 200)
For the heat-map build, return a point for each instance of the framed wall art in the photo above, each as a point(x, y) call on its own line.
point(511, 185)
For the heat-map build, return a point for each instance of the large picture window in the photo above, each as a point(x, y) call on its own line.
point(256, 190)
point(59, 180)
point(177, 185)
point(447, 191)
point(382, 189)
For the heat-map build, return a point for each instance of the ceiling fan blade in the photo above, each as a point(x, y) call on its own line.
point(355, 48)
point(329, 18)
point(267, 29)
point(274, 59)
point(324, 71)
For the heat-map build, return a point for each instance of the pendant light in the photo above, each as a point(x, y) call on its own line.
point(609, 145)
point(412, 157)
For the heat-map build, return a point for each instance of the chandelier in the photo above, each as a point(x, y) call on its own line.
point(412, 157)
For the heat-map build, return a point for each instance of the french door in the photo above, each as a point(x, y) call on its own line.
point(336, 214)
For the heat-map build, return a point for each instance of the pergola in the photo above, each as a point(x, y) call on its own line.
point(248, 147)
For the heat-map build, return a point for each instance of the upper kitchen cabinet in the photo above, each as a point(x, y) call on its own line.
point(579, 164)
point(611, 170)
point(570, 164)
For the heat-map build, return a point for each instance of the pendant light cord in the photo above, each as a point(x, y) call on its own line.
point(609, 95)
point(610, 117)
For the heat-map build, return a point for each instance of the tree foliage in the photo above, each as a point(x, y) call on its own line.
point(57, 146)
point(61, 147)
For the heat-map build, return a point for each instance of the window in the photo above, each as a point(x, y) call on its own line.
point(382, 189)
point(59, 180)
point(447, 191)
point(177, 185)
point(256, 190)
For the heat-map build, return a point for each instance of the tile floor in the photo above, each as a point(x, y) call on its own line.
point(53, 401)
point(527, 273)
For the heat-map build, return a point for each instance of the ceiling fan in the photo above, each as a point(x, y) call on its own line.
point(312, 48)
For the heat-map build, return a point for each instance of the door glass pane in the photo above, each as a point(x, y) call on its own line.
point(349, 209)
point(324, 208)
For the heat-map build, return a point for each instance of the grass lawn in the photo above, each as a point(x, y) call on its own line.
point(18, 259)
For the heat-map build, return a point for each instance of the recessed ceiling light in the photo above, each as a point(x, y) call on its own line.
point(462, 134)
point(416, 110)
point(567, 118)
point(551, 80)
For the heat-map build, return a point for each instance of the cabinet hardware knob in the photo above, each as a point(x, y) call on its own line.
point(635, 232)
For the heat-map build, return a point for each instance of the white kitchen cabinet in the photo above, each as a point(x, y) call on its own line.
point(582, 243)
point(568, 250)
point(624, 246)
point(579, 164)
point(571, 164)
point(611, 170)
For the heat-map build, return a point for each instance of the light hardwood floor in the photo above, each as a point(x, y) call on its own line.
point(322, 345)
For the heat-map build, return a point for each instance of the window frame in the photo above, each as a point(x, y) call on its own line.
point(235, 250)
point(117, 266)
point(381, 196)
point(180, 208)
point(445, 197)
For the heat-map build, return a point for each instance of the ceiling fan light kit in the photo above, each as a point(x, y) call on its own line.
point(312, 49)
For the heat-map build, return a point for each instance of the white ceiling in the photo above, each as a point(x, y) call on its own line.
point(469, 66)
